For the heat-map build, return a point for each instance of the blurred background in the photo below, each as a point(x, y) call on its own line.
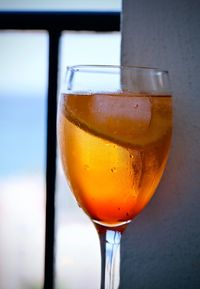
point(23, 99)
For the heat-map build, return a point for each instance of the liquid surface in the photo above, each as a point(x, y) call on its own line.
point(114, 149)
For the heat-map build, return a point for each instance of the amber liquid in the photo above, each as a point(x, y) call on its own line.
point(114, 149)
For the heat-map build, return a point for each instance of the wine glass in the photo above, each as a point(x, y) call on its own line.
point(114, 132)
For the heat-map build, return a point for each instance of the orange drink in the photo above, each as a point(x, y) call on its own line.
point(114, 148)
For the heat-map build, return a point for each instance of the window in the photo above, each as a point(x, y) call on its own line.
point(77, 243)
point(23, 93)
point(23, 133)
point(64, 5)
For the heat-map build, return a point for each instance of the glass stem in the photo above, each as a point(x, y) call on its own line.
point(110, 266)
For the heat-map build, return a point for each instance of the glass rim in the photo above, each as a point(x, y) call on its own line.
point(77, 68)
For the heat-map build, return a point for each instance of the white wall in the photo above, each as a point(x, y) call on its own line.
point(161, 248)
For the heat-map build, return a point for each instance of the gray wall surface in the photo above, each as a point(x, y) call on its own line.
point(161, 248)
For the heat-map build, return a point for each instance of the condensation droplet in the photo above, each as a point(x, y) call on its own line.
point(113, 170)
